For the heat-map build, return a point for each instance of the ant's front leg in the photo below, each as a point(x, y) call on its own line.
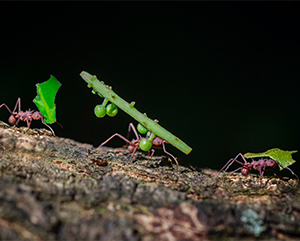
point(164, 148)
point(151, 155)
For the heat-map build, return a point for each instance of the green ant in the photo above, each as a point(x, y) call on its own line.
point(144, 144)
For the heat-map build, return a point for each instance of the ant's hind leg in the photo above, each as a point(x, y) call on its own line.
point(150, 156)
point(6, 108)
point(231, 161)
point(18, 103)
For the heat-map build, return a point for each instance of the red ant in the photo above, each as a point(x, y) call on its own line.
point(26, 116)
point(259, 165)
point(138, 143)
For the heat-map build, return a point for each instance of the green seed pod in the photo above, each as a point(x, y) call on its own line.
point(145, 144)
point(99, 111)
point(141, 129)
point(111, 110)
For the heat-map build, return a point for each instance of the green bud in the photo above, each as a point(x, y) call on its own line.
point(111, 110)
point(145, 144)
point(99, 111)
point(141, 129)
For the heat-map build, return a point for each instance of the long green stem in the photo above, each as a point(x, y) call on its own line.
point(107, 92)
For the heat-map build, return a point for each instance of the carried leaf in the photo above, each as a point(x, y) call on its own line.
point(44, 100)
point(284, 158)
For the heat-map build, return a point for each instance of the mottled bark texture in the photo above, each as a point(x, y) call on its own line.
point(56, 188)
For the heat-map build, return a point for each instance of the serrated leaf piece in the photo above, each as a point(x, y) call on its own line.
point(44, 100)
point(283, 157)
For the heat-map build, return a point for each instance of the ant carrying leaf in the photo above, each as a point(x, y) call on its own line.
point(26, 116)
point(145, 144)
point(45, 103)
point(277, 157)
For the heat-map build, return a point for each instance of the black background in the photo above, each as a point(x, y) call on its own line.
point(223, 77)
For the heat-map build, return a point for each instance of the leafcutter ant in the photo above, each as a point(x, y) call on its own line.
point(144, 144)
point(261, 165)
point(26, 116)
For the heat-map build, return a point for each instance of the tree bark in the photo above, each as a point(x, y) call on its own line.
point(60, 189)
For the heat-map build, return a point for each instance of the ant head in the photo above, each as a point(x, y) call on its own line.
point(37, 115)
point(245, 171)
point(271, 163)
point(12, 120)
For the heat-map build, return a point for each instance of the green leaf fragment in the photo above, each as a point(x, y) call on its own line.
point(44, 100)
point(283, 157)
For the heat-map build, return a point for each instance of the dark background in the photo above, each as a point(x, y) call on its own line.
point(223, 77)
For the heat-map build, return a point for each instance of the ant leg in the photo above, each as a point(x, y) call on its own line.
point(17, 122)
point(48, 127)
point(231, 161)
point(134, 151)
point(237, 169)
point(122, 137)
point(28, 124)
point(131, 126)
point(6, 108)
point(18, 103)
point(261, 172)
point(150, 156)
point(164, 148)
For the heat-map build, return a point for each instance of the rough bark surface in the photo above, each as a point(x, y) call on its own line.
point(56, 188)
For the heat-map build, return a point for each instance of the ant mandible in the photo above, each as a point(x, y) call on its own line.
point(145, 144)
point(26, 116)
point(259, 165)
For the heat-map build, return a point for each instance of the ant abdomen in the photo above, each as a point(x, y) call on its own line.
point(12, 120)
point(245, 171)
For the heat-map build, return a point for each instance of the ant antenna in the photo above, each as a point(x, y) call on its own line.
point(59, 124)
point(290, 171)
